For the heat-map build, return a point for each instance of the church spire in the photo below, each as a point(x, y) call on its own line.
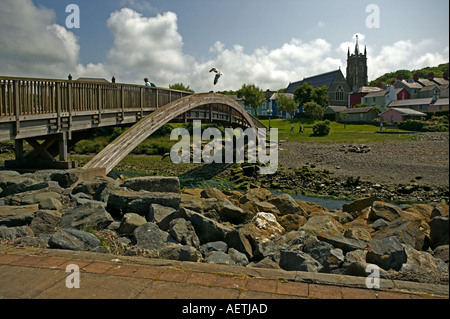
point(357, 46)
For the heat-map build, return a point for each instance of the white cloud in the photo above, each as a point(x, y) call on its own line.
point(152, 47)
point(31, 43)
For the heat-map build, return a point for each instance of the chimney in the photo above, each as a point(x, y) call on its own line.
point(380, 85)
point(430, 76)
point(400, 77)
point(416, 77)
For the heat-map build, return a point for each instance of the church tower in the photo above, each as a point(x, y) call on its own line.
point(357, 75)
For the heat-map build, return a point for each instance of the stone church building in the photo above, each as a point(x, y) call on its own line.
point(340, 87)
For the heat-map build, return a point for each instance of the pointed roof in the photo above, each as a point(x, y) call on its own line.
point(325, 79)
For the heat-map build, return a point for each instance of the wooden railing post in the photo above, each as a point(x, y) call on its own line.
point(58, 106)
point(99, 103)
point(17, 109)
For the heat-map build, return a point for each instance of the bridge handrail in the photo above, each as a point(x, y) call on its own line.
point(21, 96)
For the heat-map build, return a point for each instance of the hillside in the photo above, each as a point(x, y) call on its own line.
point(388, 78)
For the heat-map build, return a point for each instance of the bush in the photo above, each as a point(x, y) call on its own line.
point(322, 128)
point(411, 125)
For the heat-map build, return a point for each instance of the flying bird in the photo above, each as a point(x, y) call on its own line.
point(218, 75)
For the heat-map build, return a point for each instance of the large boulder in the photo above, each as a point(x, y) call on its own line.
point(208, 248)
point(287, 205)
point(341, 242)
point(323, 224)
point(423, 267)
point(231, 213)
point(126, 201)
point(329, 257)
point(385, 211)
point(359, 205)
point(388, 253)
point(12, 233)
point(73, 239)
point(162, 215)
point(14, 183)
point(153, 184)
point(406, 231)
point(439, 229)
point(237, 240)
point(91, 215)
point(130, 222)
point(220, 258)
point(12, 216)
point(45, 222)
point(181, 253)
point(149, 236)
point(207, 230)
point(293, 259)
point(183, 232)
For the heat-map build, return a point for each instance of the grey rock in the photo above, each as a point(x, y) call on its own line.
point(208, 248)
point(239, 258)
point(296, 260)
point(125, 201)
point(154, 184)
point(12, 233)
point(439, 231)
point(385, 211)
point(29, 241)
point(162, 215)
point(237, 240)
point(50, 204)
point(219, 257)
point(388, 253)
point(130, 222)
point(439, 210)
point(149, 236)
point(12, 216)
point(20, 184)
point(73, 239)
point(380, 224)
point(442, 252)
point(231, 213)
point(407, 232)
point(265, 263)
point(357, 206)
point(287, 205)
point(206, 229)
point(341, 242)
point(46, 222)
point(328, 256)
point(181, 253)
point(88, 215)
point(183, 232)
point(321, 225)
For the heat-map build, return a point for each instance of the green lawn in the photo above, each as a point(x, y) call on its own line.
point(352, 133)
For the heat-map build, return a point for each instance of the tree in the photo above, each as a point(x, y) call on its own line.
point(313, 110)
point(252, 96)
point(180, 87)
point(320, 96)
point(286, 104)
point(304, 93)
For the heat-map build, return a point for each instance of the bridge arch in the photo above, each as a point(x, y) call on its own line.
point(117, 150)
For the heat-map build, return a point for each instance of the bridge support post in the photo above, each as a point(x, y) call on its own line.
point(42, 154)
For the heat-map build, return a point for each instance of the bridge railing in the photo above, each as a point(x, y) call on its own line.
point(27, 96)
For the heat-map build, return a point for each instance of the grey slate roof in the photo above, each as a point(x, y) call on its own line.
point(320, 80)
point(406, 111)
point(359, 110)
point(410, 102)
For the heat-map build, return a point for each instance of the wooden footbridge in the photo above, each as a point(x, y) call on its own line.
point(51, 114)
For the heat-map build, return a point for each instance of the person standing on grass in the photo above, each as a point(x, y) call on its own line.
point(300, 129)
point(292, 128)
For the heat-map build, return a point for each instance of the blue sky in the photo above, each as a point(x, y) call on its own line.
point(268, 43)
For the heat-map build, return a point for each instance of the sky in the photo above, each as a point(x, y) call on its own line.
point(261, 42)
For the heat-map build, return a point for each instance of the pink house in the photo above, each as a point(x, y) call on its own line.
point(400, 114)
point(440, 105)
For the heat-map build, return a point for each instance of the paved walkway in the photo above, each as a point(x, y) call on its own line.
point(29, 273)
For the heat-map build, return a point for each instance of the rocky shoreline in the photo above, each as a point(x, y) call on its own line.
point(308, 180)
point(151, 216)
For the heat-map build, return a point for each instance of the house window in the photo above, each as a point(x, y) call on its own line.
point(340, 93)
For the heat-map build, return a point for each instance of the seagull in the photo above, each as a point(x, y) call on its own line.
point(218, 75)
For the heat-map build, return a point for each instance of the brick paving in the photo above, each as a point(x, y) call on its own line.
point(41, 274)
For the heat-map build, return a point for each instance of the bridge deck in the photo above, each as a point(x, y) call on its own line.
point(33, 110)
